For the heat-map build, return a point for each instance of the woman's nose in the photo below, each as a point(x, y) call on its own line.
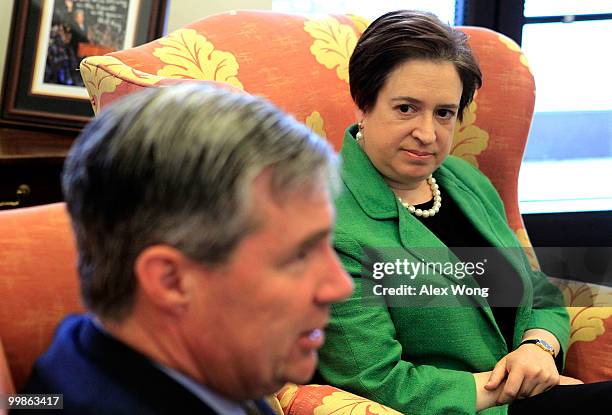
point(425, 130)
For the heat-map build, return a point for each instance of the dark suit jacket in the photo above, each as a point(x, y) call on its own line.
point(97, 374)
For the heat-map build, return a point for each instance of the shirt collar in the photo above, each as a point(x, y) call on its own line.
point(217, 402)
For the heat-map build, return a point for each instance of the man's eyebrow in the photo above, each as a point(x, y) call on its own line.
point(308, 243)
point(314, 238)
point(404, 98)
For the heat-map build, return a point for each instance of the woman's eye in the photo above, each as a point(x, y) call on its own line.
point(404, 108)
point(446, 114)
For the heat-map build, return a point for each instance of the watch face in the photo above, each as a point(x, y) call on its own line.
point(546, 344)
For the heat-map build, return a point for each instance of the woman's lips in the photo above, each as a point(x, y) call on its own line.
point(421, 155)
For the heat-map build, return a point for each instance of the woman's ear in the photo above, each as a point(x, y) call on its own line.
point(359, 116)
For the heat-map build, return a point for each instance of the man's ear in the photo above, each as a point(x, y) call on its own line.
point(162, 275)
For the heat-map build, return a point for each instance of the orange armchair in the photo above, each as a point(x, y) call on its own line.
point(301, 64)
point(39, 286)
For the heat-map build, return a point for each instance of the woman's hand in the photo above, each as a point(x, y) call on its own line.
point(530, 371)
point(485, 398)
point(566, 380)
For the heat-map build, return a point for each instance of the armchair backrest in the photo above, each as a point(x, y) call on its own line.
point(301, 64)
point(38, 282)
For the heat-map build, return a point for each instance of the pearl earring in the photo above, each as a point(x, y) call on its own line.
point(359, 135)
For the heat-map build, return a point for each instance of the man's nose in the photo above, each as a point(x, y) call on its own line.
point(337, 284)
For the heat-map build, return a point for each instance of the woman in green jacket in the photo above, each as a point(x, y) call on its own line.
point(407, 202)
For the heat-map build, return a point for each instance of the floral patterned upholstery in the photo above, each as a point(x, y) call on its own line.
point(325, 399)
point(301, 64)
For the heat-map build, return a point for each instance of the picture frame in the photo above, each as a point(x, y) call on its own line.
point(49, 38)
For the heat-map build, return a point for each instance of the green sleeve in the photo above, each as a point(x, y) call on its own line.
point(548, 311)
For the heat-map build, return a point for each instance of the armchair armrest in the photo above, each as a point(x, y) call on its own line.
point(590, 310)
point(6, 382)
point(588, 357)
point(325, 399)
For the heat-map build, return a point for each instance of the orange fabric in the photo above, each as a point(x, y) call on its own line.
point(589, 357)
point(38, 282)
point(6, 380)
point(265, 47)
point(591, 361)
point(301, 64)
point(505, 109)
point(325, 399)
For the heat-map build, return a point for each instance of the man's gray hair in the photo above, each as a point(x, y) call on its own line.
point(175, 166)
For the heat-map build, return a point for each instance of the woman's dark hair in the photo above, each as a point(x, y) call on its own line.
point(403, 35)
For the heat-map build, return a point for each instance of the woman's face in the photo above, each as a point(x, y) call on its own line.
point(408, 132)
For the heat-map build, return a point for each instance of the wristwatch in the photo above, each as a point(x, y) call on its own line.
point(541, 343)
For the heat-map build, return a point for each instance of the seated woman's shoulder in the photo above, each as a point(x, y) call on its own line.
point(462, 170)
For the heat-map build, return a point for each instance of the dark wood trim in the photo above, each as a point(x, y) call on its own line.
point(20, 106)
point(31, 163)
point(15, 51)
point(17, 144)
point(157, 21)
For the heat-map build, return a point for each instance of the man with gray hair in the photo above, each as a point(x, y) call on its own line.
point(203, 223)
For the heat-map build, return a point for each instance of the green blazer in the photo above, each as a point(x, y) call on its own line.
point(419, 360)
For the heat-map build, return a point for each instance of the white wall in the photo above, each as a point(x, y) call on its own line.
point(183, 12)
point(180, 13)
point(6, 12)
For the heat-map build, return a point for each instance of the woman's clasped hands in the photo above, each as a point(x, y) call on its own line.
point(527, 371)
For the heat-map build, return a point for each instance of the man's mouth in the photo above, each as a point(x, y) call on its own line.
point(312, 339)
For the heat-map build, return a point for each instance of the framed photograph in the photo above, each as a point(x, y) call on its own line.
point(49, 38)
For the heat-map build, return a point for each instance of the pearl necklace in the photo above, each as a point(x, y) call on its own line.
point(437, 198)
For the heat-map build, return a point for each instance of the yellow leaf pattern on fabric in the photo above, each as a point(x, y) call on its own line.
point(524, 61)
point(274, 404)
point(333, 45)
point(347, 403)
point(588, 306)
point(361, 23)
point(286, 394)
point(316, 123)
point(190, 55)
point(523, 238)
point(513, 46)
point(102, 74)
point(469, 140)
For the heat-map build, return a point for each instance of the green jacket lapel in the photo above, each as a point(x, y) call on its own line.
point(377, 201)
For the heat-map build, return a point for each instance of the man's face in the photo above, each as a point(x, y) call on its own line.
point(263, 312)
point(79, 17)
